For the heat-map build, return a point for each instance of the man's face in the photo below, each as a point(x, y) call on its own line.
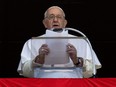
point(54, 19)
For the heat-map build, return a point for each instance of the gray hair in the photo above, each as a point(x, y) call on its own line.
point(45, 14)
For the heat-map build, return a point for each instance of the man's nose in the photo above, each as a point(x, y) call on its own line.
point(55, 19)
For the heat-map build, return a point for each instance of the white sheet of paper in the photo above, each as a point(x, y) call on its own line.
point(58, 54)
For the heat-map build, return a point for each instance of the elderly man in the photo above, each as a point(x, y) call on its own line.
point(78, 50)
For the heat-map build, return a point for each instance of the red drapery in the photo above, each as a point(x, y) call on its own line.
point(37, 82)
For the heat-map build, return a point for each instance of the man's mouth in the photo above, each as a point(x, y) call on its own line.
point(55, 26)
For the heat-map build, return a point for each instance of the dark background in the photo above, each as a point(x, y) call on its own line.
point(22, 19)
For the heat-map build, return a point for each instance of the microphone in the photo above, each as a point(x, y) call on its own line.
point(58, 29)
point(87, 40)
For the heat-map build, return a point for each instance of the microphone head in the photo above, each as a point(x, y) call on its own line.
point(58, 29)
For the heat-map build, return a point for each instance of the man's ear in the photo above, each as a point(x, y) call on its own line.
point(65, 23)
point(44, 23)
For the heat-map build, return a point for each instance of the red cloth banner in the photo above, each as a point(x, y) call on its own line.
point(37, 82)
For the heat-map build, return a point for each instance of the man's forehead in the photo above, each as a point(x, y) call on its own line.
point(54, 11)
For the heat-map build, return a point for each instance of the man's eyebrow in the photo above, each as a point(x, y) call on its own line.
point(54, 14)
point(51, 14)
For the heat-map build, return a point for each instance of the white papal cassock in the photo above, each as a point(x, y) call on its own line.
point(83, 50)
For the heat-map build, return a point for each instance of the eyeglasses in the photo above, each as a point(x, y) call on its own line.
point(51, 17)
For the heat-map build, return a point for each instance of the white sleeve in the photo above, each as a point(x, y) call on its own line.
point(27, 70)
point(24, 67)
point(91, 63)
point(27, 64)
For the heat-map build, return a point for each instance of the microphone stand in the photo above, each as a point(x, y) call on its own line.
point(87, 40)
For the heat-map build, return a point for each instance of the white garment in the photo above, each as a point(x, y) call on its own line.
point(30, 51)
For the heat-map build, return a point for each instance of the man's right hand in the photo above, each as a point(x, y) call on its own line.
point(44, 50)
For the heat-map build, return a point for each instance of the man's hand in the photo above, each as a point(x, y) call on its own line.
point(71, 50)
point(44, 50)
